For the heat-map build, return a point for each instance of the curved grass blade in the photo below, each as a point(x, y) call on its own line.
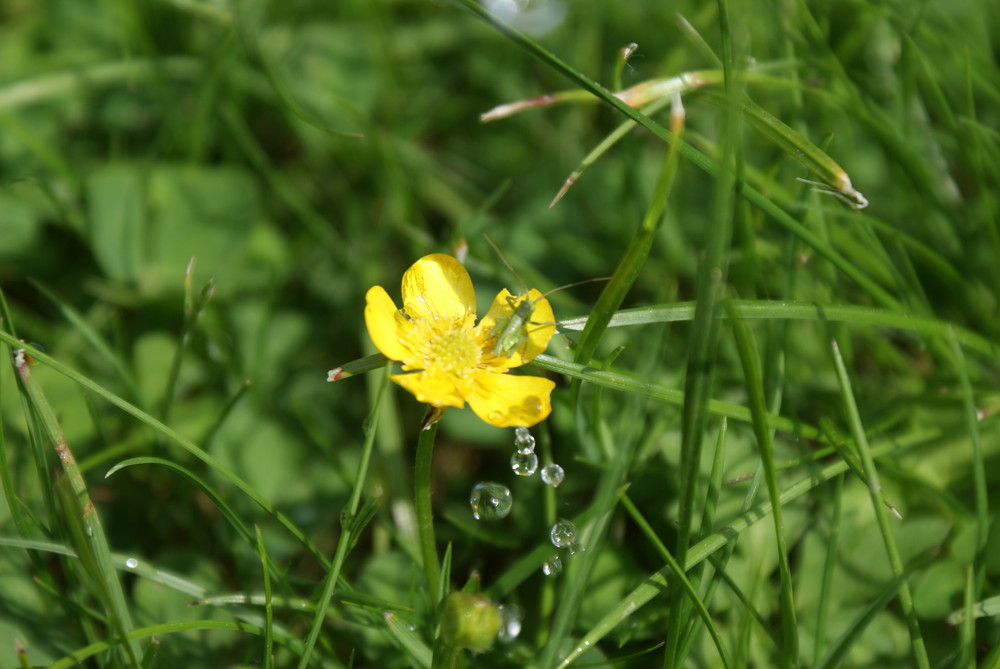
point(121, 561)
point(227, 511)
point(754, 309)
point(656, 582)
point(834, 655)
point(712, 167)
point(170, 434)
point(980, 484)
point(754, 384)
point(100, 346)
point(418, 651)
point(801, 149)
point(874, 490)
point(678, 573)
point(76, 657)
point(268, 609)
point(81, 514)
point(634, 258)
point(353, 521)
point(609, 489)
point(627, 383)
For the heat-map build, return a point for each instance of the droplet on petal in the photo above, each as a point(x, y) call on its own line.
point(552, 567)
point(553, 474)
point(524, 464)
point(490, 501)
point(563, 533)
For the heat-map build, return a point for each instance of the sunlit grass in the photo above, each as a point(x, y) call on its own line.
point(776, 418)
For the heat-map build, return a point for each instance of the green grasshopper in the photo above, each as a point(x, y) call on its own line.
point(510, 334)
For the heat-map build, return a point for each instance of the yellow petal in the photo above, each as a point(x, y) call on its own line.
point(383, 320)
point(504, 400)
point(438, 286)
point(434, 389)
point(532, 335)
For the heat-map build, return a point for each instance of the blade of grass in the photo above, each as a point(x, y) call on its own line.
point(656, 582)
point(712, 273)
point(82, 515)
point(702, 161)
point(593, 534)
point(754, 384)
point(634, 258)
point(96, 341)
point(192, 312)
point(352, 524)
point(881, 514)
point(414, 647)
point(678, 573)
point(425, 512)
point(855, 315)
point(171, 435)
point(980, 485)
point(207, 489)
point(832, 545)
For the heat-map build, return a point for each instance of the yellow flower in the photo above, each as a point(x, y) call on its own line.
point(447, 358)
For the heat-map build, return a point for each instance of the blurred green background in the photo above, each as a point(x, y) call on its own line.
point(292, 154)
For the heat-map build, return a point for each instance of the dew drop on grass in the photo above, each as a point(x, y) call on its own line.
point(552, 567)
point(553, 474)
point(490, 501)
point(511, 616)
point(524, 464)
point(563, 534)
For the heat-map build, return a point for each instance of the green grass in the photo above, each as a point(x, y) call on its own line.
point(777, 419)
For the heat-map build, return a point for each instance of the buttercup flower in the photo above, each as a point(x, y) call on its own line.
point(447, 358)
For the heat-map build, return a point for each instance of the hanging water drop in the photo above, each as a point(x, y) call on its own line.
point(563, 534)
point(553, 474)
point(552, 567)
point(511, 616)
point(524, 464)
point(523, 441)
point(490, 501)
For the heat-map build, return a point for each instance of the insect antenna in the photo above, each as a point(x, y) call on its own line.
point(574, 284)
point(524, 286)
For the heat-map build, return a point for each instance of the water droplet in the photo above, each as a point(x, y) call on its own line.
point(496, 416)
point(523, 441)
point(563, 534)
point(511, 616)
point(490, 501)
point(553, 474)
point(131, 563)
point(575, 548)
point(524, 464)
point(552, 567)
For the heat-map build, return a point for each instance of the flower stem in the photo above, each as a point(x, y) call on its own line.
point(425, 515)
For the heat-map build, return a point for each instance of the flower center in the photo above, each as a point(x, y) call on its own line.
point(449, 346)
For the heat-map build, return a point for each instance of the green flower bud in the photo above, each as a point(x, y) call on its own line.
point(469, 621)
